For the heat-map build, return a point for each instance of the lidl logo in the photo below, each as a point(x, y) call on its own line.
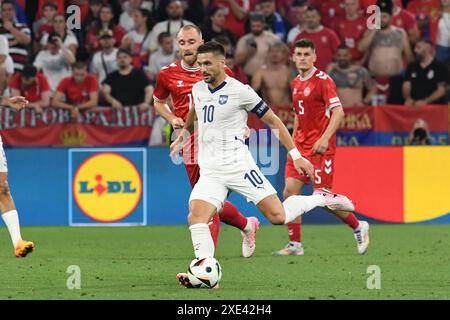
point(107, 187)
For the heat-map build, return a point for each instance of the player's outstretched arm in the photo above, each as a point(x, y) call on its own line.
point(17, 102)
point(282, 133)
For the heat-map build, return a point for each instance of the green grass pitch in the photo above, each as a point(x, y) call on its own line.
point(141, 263)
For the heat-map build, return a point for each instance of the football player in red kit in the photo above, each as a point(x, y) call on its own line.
point(318, 113)
point(176, 80)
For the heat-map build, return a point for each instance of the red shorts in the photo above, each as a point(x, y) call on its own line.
point(193, 171)
point(323, 170)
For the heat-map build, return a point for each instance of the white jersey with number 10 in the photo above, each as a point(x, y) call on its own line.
point(222, 123)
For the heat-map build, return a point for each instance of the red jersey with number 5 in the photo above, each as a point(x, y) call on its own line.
point(177, 80)
point(313, 97)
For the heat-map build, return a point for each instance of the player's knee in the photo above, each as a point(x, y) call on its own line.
point(277, 218)
point(197, 217)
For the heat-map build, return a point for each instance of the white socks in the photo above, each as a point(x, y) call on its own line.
point(202, 241)
point(295, 206)
point(11, 219)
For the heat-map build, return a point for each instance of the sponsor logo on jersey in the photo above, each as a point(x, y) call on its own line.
point(180, 83)
point(107, 187)
point(223, 99)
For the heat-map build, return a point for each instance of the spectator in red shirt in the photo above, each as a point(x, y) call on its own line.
point(80, 91)
point(329, 10)
point(404, 19)
point(33, 86)
point(237, 12)
point(325, 39)
point(351, 28)
point(106, 22)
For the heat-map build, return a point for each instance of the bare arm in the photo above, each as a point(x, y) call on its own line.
point(243, 52)
point(407, 48)
point(257, 80)
point(20, 36)
point(148, 94)
point(92, 102)
point(370, 87)
point(68, 55)
point(437, 94)
point(2, 58)
point(366, 41)
point(281, 132)
point(321, 145)
point(406, 91)
point(45, 99)
point(237, 10)
point(58, 103)
point(295, 128)
point(279, 129)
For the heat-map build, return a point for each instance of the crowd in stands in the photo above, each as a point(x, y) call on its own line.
point(400, 57)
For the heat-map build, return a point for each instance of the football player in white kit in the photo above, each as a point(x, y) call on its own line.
point(226, 164)
point(7, 207)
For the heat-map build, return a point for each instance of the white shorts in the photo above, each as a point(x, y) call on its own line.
point(214, 187)
point(3, 163)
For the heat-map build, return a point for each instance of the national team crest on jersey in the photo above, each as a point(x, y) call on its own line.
point(223, 99)
point(307, 91)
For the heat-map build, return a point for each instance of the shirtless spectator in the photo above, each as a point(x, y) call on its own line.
point(251, 49)
point(387, 48)
point(351, 80)
point(273, 79)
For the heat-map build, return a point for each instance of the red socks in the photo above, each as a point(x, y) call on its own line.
point(352, 221)
point(231, 215)
point(294, 232)
point(214, 228)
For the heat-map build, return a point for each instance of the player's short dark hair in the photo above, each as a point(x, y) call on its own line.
point(163, 35)
point(305, 43)
point(211, 47)
point(79, 65)
point(29, 71)
point(313, 8)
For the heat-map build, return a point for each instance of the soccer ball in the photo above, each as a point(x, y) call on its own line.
point(204, 273)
